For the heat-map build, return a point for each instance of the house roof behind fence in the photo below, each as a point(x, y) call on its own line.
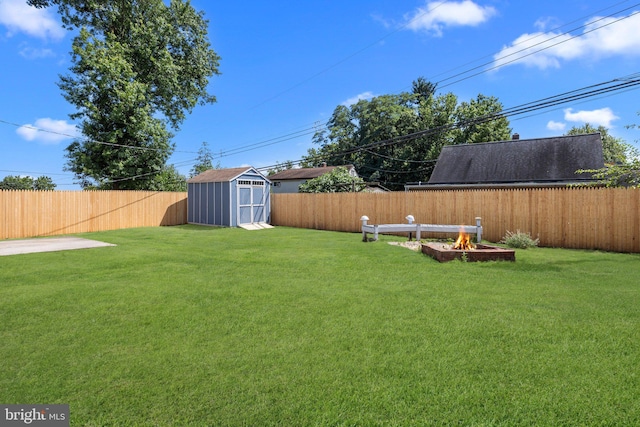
point(526, 160)
point(221, 175)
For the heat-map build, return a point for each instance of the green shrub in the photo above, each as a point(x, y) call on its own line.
point(519, 240)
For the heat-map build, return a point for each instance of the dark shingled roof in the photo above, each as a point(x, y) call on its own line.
point(304, 173)
point(220, 175)
point(531, 160)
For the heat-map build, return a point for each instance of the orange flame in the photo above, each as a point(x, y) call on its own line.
point(463, 242)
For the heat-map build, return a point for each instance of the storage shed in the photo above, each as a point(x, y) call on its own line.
point(229, 197)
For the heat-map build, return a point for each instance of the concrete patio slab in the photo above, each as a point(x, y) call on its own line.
point(47, 244)
point(256, 226)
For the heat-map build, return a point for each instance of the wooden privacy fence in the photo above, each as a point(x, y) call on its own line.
point(46, 213)
point(585, 218)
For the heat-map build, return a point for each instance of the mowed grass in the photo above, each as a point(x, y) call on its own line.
point(208, 326)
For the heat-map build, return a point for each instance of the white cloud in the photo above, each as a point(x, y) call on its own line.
point(600, 117)
point(600, 38)
point(359, 97)
point(556, 126)
point(33, 53)
point(437, 15)
point(543, 23)
point(48, 131)
point(17, 16)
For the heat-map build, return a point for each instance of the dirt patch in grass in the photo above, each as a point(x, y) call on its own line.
point(413, 245)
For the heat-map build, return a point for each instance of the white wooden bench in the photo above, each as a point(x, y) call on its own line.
point(410, 227)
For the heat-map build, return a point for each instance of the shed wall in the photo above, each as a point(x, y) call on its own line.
point(209, 203)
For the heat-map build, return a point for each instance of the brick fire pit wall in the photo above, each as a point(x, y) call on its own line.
point(443, 253)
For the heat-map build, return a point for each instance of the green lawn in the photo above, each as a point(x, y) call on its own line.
point(206, 326)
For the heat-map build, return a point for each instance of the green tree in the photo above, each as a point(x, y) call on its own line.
point(614, 150)
point(394, 139)
point(42, 183)
point(169, 179)
point(622, 168)
point(617, 175)
point(139, 67)
point(279, 167)
point(423, 88)
point(204, 162)
point(473, 124)
point(336, 181)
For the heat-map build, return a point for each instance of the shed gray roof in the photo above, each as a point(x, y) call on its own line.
point(527, 160)
point(304, 173)
point(222, 175)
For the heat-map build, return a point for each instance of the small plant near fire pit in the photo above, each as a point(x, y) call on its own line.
point(519, 240)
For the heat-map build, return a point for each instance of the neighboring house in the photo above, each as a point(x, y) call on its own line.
point(229, 197)
point(526, 163)
point(375, 187)
point(288, 181)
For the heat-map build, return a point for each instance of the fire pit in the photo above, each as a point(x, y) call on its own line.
point(444, 252)
point(463, 248)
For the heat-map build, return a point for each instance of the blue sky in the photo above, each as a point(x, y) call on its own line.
point(286, 66)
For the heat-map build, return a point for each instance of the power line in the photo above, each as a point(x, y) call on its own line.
point(265, 143)
point(524, 49)
point(311, 130)
point(224, 153)
point(534, 52)
point(261, 145)
point(89, 140)
point(614, 85)
point(31, 172)
point(396, 159)
point(348, 57)
point(527, 40)
point(623, 83)
point(308, 131)
point(397, 171)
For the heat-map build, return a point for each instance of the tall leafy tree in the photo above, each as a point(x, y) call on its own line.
point(170, 179)
point(204, 162)
point(139, 67)
point(622, 168)
point(395, 139)
point(42, 183)
point(336, 181)
point(614, 150)
point(479, 120)
point(279, 167)
point(423, 88)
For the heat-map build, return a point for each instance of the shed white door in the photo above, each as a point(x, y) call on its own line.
point(251, 202)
